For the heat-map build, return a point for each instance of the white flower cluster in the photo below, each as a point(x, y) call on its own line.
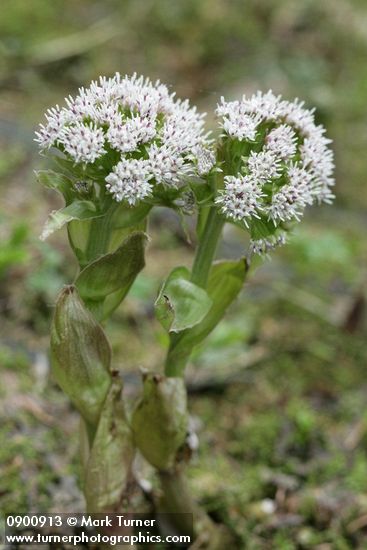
point(287, 164)
point(159, 139)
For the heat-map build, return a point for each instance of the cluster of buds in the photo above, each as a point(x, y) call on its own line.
point(262, 247)
point(134, 131)
point(285, 161)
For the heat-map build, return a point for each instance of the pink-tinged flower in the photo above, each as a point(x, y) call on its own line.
point(241, 198)
point(129, 180)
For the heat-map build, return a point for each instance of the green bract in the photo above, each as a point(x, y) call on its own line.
point(80, 355)
point(104, 283)
point(108, 474)
point(159, 421)
point(225, 282)
point(181, 304)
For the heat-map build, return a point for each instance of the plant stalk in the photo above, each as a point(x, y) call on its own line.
point(177, 498)
point(206, 249)
point(99, 236)
point(186, 516)
point(205, 253)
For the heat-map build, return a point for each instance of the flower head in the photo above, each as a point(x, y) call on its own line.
point(286, 157)
point(264, 246)
point(264, 166)
point(133, 126)
point(282, 141)
point(129, 180)
point(242, 199)
point(83, 142)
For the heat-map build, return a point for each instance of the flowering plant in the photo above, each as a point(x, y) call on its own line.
point(122, 147)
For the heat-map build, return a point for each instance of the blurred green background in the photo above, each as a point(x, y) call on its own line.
point(279, 393)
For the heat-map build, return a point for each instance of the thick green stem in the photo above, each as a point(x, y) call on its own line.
point(206, 249)
point(99, 236)
point(176, 497)
point(205, 253)
point(186, 516)
point(176, 363)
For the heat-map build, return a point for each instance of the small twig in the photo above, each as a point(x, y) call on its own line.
point(357, 524)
